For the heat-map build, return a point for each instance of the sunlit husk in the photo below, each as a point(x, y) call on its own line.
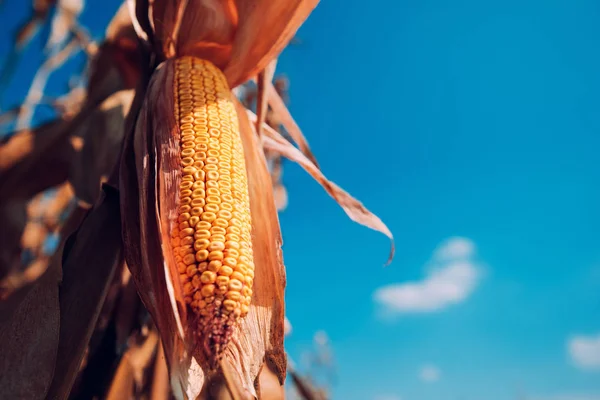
point(150, 175)
point(239, 36)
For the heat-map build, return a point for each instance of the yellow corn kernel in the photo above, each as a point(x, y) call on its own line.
point(211, 235)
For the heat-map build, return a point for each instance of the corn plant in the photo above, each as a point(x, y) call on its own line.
point(141, 255)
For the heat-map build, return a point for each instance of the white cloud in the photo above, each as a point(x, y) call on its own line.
point(455, 248)
point(430, 373)
point(585, 351)
point(453, 275)
point(321, 338)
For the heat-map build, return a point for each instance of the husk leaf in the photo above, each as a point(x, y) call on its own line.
point(150, 174)
point(273, 141)
point(239, 36)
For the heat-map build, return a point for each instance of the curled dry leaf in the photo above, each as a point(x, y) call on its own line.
point(272, 140)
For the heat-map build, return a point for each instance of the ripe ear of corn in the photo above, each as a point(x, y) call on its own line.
point(211, 240)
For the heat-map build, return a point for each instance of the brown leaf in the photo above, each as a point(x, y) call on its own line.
point(265, 77)
point(93, 254)
point(29, 228)
point(160, 378)
point(29, 153)
point(241, 37)
point(288, 122)
point(128, 380)
point(30, 341)
point(272, 140)
point(305, 388)
point(120, 62)
point(102, 135)
point(264, 30)
point(84, 149)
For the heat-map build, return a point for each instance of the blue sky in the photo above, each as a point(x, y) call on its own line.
point(471, 129)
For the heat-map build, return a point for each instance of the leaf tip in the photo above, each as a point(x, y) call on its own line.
point(392, 252)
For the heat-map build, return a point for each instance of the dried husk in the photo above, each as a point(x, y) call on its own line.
point(240, 36)
point(150, 176)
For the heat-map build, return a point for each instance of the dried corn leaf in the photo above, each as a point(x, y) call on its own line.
point(39, 240)
point(84, 149)
point(263, 82)
point(91, 258)
point(160, 378)
point(288, 122)
point(36, 90)
point(129, 377)
point(241, 37)
point(28, 153)
point(273, 141)
point(29, 342)
point(29, 327)
point(63, 22)
point(101, 136)
point(120, 62)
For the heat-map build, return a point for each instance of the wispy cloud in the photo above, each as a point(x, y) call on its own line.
point(452, 276)
point(430, 373)
point(585, 351)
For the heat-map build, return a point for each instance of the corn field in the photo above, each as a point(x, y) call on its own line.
point(140, 250)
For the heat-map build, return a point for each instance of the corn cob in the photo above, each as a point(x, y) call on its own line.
point(211, 241)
